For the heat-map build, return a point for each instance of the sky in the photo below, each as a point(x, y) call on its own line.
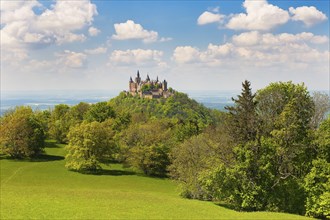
point(194, 45)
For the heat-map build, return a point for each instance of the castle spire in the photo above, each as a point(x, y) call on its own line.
point(138, 74)
point(130, 79)
point(157, 79)
point(148, 78)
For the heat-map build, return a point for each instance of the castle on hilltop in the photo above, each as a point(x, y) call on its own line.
point(148, 88)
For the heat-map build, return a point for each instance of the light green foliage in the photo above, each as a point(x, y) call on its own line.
point(21, 133)
point(43, 117)
point(284, 104)
point(285, 111)
point(322, 140)
point(317, 186)
point(59, 124)
point(191, 116)
point(245, 184)
point(77, 112)
point(188, 160)
point(317, 182)
point(99, 112)
point(196, 156)
point(146, 146)
point(89, 143)
point(270, 150)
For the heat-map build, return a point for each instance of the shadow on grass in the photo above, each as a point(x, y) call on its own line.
point(46, 158)
point(225, 205)
point(113, 172)
point(51, 144)
point(39, 158)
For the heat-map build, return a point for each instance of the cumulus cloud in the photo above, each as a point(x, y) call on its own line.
point(98, 50)
point(72, 59)
point(260, 15)
point(130, 30)
point(186, 54)
point(257, 49)
point(93, 31)
point(309, 15)
point(22, 28)
point(209, 17)
point(138, 57)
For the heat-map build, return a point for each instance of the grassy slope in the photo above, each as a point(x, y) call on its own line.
point(47, 190)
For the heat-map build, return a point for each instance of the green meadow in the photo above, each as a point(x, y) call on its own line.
point(44, 189)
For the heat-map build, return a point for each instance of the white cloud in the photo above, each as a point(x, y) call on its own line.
point(209, 17)
point(257, 49)
point(309, 15)
point(247, 39)
point(186, 54)
point(260, 15)
point(72, 59)
point(98, 50)
point(131, 30)
point(137, 57)
point(23, 29)
point(93, 31)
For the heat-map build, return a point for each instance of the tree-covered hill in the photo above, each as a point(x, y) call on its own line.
point(179, 106)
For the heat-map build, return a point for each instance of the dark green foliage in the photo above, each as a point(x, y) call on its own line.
point(21, 133)
point(243, 121)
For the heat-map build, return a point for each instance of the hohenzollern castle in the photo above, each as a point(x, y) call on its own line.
point(148, 88)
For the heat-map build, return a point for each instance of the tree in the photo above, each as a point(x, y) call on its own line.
point(317, 186)
point(322, 140)
point(99, 112)
point(89, 143)
point(322, 107)
point(146, 146)
point(244, 125)
point(196, 156)
point(77, 112)
point(21, 134)
point(59, 124)
point(289, 126)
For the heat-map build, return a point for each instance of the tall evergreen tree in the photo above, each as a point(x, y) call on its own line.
point(243, 126)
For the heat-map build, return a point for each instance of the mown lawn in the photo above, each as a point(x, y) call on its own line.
point(46, 190)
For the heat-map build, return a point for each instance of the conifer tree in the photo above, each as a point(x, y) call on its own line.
point(243, 123)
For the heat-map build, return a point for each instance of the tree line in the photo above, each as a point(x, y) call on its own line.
point(269, 151)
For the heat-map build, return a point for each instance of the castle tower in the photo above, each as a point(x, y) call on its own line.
point(148, 78)
point(164, 86)
point(138, 78)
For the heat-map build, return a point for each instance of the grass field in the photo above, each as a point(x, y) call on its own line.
point(46, 190)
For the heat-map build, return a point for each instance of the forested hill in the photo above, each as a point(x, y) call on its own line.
point(179, 106)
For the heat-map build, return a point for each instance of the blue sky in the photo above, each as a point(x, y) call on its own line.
point(195, 45)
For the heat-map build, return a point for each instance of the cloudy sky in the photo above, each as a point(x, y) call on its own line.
point(195, 45)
